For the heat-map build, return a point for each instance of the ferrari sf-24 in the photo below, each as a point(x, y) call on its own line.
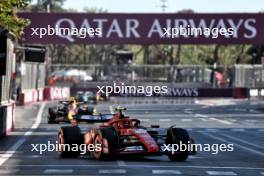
point(121, 135)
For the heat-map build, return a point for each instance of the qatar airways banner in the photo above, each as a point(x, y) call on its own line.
point(74, 28)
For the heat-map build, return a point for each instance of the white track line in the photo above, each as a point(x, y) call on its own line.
point(186, 120)
point(32, 156)
point(233, 115)
point(204, 119)
point(144, 120)
point(220, 173)
point(121, 163)
point(112, 171)
point(4, 157)
point(164, 120)
point(241, 140)
point(201, 115)
point(251, 121)
point(137, 166)
point(211, 130)
point(165, 172)
point(6, 171)
point(236, 144)
point(221, 121)
point(58, 171)
point(238, 129)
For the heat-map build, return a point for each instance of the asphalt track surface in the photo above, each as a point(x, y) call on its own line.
point(241, 124)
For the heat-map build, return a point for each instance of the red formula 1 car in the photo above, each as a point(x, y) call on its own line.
point(122, 135)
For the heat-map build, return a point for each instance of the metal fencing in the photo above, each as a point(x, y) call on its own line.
point(7, 82)
point(250, 76)
point(191, 74)
point(33, 75)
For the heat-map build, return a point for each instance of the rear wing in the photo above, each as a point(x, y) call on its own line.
point(95, 118)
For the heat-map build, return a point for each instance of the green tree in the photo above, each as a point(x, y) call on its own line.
point(47, 5)
point(8, 18)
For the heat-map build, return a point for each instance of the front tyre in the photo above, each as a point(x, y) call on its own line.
point(179, 137)
point(69, 140)
point(107, 138)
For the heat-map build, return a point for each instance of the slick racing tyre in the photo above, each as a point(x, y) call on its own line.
point(178, 136)
point(107, 138)
point(69, 140)
point(88, 111)
point(193, 149)
point(51, 116)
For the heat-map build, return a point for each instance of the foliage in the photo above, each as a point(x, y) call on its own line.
point(45, 5)
point(8, 18)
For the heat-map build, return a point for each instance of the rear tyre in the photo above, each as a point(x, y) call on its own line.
point(51, 116)
point(69, 140)
point(90, 110)
point(107, 138)
point(193, 149)
point(178, 136)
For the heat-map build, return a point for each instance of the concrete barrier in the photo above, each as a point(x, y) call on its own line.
point(48, 93)
point(28, 96)
point(256, 93)
point(40, 94)
point(56, 93)
point(10, 117)
point(7, 118)
point(240, 92)
point(2, 121)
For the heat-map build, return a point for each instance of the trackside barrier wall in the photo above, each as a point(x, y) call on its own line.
point(48, 93)
point(32, 82)
point(40, 94)
point(28, 96)
point(7, 106)
point(56, 93)
point(7, 118)
point(240, 92)
point(2, 121)
point(256, 93)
